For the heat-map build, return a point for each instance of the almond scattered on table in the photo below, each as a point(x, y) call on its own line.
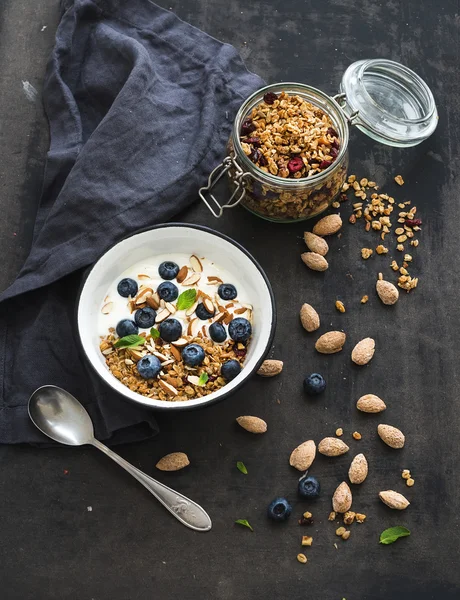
point(315, 243)
point(328, 225)
point(252, 424)
point(342, 498)
point(309, 318)
point(369, 403)
point(358, 470)
point(392, 436)
point(387, 292)
point(173, 462)
point(270, 368)
point(330, 342)
point(363, 351)
point(303, 456)
point(331, 446)
point(314, 261)
point(394, 500)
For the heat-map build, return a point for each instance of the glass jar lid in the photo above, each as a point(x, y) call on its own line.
point(388, 102)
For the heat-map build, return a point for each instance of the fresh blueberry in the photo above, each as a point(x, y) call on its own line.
point(167, 291)
point(314, 384)
point(230, 369)
point(193, 355)
point(149, 366)
point(168, 270)
point(227, 291)
point(279, 509)
point(126, 327)
point(170, 330)
point(127, 287)
point(145, 317)
point(202, 313)
point(217, 332)
point(240, 329)
point(309, 487)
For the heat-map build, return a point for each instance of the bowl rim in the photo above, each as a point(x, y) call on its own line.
point(179, 406)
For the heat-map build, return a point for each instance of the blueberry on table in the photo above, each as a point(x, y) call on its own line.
point(170, 330)
point(314, 384)
point(217, 332)
point(227, 291)
point(167, 291)
point(127, 287)
point(145, 317)
point(193, 355)
point(230, 369)
point(309, 487)
point(240, 329)
point(279, 509)
point(202, 313)
point(126, 327)
point(168, 270)
point(148, 366)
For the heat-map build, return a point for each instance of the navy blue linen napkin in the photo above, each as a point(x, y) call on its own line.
point(140, 106)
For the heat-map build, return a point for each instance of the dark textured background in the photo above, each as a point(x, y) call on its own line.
point(128, 547)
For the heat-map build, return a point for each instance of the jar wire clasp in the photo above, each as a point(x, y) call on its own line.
point(341, 100)
point(238, 194)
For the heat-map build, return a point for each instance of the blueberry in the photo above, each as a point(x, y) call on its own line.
point(202, 313)
point(168, 270)
point(217, 332)
point(227, 291)
point(309, 487)
point(230, 369)
point(314, 384)
point(126, 327)
point(127, 287)
point(149, 366)
point(168, 291)
point(279, 509)
point(145, 317)
point(170, 330)
point(240, 329)
point(193, 355)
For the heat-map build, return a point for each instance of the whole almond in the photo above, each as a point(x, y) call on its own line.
point(252, 424)
point(303, 456)
point(330, 342)
point(363, 351)
point(183, 272)
point(309, 318)
point(394, 499)
point(359, 469)
point(387, 292)
point(342, 498)
point(314, 261)
point(328, 225)
point(392, 436)
point(315, 243)
point(270, 368)
point(370, 404)
point(173, 462)
point(331, 446)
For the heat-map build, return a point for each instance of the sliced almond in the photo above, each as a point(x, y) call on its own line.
point(143, 295)
point(193, 379)
point(192, 309)
point(209, 305)
point(160, 356)
point(107, 308)
point(192, 279)
point(162, 303)
point(143, 276)
point(135, 354)
point(170, 307)
point(240, 311)
point(162, 315)
point(213, 280)
point(153, 301)
point(218, 318)
point(176, 353)
point(183, 272)
point(167, 362)
point(168, 388)
point(195, 263)
point(192, 327)
point(180, 343)
point(227, 318)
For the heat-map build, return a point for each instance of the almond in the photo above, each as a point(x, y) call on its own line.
point(173, 462)
point(270, 368)
point(315, 243)
point(370, 404)
point(309, 318)
point(342, 498)
point(143, 295)
point(168, 388)
point(106, 309)
point(195, 263)
point(330, 342)
point(359, 469)
point(328, 225)
point(314, 261)
point(387, 292)
point(181, 342)
point(363, 351)
point(303, 456)
point(392, 436)
point(330, 446)
point(192, 279)
point(394, 499)
point(162, 315)
point(153, 301)
point(183, 272)
point(252, 424)
point(209, 306)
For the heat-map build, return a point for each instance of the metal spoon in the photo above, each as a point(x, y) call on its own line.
point(60, 416)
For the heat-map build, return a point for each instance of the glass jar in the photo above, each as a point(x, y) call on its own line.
point(386, 100)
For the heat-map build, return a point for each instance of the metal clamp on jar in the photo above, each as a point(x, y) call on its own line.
point(384, 99)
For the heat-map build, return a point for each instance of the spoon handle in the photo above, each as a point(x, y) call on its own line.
point(185, 510)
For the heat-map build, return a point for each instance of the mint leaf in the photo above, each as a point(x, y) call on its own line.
point(241, 467)
point(392, 534)
point(154, 333)
point(129, 341)
point(203, 378)
point(244, 523)
point(186, 299)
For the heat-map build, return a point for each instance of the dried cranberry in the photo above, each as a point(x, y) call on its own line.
point(295, 164)
point(332, 131)
point(343, 197)
point(335, 144)
point(304, 521)
point(247, 127)
point(270, 97)
point(212, 377)
point(324, 164)
point(255, 155)
point(333, 152)
point(413, 222)
point(240, 353)
point(253, 140)
point(263, 162)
